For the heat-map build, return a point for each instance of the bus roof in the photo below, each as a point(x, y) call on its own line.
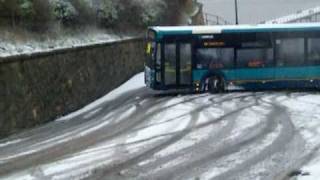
point(179, 30)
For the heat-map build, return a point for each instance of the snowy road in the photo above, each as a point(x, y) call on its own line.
point(133, 133)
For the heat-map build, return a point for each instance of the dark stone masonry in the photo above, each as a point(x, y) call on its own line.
point(38, 88)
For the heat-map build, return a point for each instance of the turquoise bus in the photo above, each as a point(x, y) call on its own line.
point(215, 58)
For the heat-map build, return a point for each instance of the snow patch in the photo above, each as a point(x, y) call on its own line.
point(177, 124)
point(306, 117)
point(92, 113)
point(134, 83)
point(246, 120)
point(11, 142)
point(126, 114)
point(11, 48)
point(313, 168)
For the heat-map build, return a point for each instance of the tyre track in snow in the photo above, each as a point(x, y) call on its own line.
point(160, 110)
point(277, 116)
point(147, 113)
point(76, 143)
point(188, 130)
point(109, 172)
point(220, 149)
point(53, 129)
point(201, 156)
point(155, 147)
point(202, 148)
point(282, 144)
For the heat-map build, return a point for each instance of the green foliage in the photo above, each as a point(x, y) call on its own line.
point(64, 11)
point(153, 13)
point(108, 13)
point(43, 10)
point(86, 14)
point(26, 9)
point(144, 13)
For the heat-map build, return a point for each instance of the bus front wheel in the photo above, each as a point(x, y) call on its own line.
point(216, 85)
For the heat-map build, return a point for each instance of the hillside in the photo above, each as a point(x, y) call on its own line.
point(42, 14)
point(36, 25)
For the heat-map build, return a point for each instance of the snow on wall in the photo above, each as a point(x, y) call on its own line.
point(11, 48)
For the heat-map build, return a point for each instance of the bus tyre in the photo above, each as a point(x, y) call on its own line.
point(215, 85)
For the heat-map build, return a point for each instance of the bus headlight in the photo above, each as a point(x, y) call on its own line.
point(197, 86)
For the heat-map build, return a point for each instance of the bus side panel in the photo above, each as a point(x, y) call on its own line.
point(285, 77)
point(297, 73)
point(254, 74)
point(199, 75)
point(228, 74)
point(268, 78)
point(252, 78)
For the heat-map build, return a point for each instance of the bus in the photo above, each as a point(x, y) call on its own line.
point(215, 58)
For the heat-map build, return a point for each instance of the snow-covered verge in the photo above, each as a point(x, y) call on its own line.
point(10, 47)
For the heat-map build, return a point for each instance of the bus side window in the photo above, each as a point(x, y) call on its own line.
point(214, 58)
point(170, 63)
point(158, 56)
point(170, 54)
point(158, 63)
point(290, 52)
point(314, 51)
point(227, 57)
point(255, 58)
point(185, 63)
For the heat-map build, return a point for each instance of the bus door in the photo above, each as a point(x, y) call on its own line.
point(185, 64)
point(170, 64)
point(177, 64)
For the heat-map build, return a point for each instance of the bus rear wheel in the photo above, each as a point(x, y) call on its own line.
point(216, 85)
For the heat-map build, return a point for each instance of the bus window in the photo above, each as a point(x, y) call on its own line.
point(214, 58)
point(290, 52)
point(314, 51)
point(254, 58)
point(185, 63)
point(158, 59)
point(158, 63)
point(170, 64)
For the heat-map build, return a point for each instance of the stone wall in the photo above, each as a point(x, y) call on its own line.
point(37, 88)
